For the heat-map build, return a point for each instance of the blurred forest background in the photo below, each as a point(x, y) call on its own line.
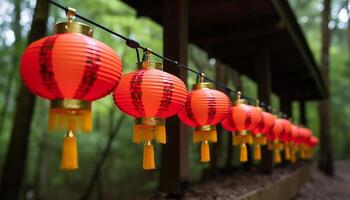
point(121, 175)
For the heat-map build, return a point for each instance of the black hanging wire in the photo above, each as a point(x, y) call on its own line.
point(136, 45)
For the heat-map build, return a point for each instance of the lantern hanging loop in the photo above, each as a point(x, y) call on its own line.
point(70, 13)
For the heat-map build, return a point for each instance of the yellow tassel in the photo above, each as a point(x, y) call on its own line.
point(244, 153)
point(257, 152)
point(142, 133)
point(69, 152)
point(287, 153)
point(199, 136)
point(236, 139)
point(277, 156)
point(270, 145)
point(260, 139)
point(62, 119)
point(205, 152)
point(293, 157)
point(160, 134)
point(148, 156)
point(249, 139)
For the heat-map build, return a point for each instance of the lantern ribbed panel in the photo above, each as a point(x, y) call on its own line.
point(265, 123)
point(287, 131)
point(242, 117)
point(276, 130)
point(294, 133)
point(70, 66)
point(305, 134)
point(205, 107)
point(150, 93)
point(313, 141)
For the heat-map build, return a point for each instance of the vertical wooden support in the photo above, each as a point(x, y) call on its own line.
point(222, 77)
point(174, 171)
point(302, 110)
point(286, 103)
point(263, 77)
point(237, 82)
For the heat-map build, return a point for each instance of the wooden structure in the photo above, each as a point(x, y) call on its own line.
point(259, 38)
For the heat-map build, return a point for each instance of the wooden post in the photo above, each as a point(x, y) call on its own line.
point(222, 77)
point(174, 169)
point(286, 103)
point(263, 77)
point(302, 110)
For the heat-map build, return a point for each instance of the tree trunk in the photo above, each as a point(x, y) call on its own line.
point(15, 161)
point(326, 158)
point(13, 68)
point(96, 174)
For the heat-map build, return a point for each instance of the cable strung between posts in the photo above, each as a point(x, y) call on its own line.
point(136, 45)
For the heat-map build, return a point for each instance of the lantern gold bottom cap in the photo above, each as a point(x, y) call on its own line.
point(152, 121)
point(71, 104)
point(205, 128)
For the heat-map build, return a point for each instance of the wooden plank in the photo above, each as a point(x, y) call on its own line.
point(263, 78)
point(174, 171)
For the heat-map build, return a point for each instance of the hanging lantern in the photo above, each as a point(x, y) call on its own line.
point(313, 141)
point(286, 138)
point(260, 132)
point(205, 107)
point(150, 95)
point(305, 136)
point(294, 142)
point(242, 118)
point(274, 137)
point(71, 69)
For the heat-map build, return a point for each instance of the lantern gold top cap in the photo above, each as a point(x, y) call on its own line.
point(239, 100)
point(147, 63)
point(201, 84)
point(70, 26)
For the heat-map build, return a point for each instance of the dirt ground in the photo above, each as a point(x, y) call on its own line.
point(321, 187)
point(325, 188)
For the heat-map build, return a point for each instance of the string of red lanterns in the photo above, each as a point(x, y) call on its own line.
point(71, 69)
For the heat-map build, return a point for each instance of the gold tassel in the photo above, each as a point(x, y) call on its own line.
point(257, 152)
point(270, 145)
point(142, 133)
point(199, 136)
point(287, 153)
point(244, 153)
point(293, 157)
point(248, 138)
point(160, 134)
point(62, 119)
point(148, 156)
point(277, 156)
point(236, 139)
point(205, 151)
point(69, 159)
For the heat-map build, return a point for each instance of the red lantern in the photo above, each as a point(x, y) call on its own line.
point(305, 136)
point(260, 132)
point(205, 107)
point(150, 95)
point(71, 69)
point(286, 138)
point(294, 142)
point(274, 139)
point(242, 118)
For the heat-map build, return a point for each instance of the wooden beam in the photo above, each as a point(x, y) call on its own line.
point(174, 171)
point(263, 78)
